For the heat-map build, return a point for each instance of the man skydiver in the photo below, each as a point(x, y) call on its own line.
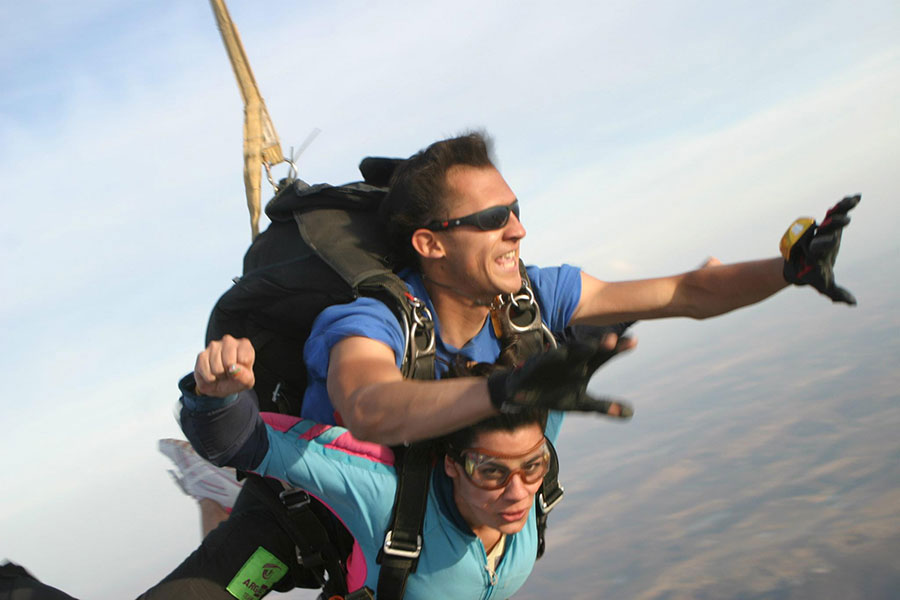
point(453, 218)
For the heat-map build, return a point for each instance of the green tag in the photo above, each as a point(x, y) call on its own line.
point(257, 576)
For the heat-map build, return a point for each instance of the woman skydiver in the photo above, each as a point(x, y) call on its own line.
point(479, 531)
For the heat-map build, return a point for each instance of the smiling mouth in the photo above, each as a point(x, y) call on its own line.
point(508, 259)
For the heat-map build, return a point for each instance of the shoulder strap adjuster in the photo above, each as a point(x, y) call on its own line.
point(399, 550)
point(294, 499)
point(362, 593)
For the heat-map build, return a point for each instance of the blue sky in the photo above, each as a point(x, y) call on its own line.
point(640, 137)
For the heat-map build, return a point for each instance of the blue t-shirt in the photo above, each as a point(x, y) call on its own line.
point(557, 289)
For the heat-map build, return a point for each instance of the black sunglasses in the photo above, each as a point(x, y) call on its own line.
point(488, 219)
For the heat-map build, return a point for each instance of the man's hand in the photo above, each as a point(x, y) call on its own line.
point(225, 367)
point(809, 251)
point(558, 378)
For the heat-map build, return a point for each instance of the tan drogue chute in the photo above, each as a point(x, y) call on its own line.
point(261, 145)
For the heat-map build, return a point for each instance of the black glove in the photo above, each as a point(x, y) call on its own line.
point(590, 333)
point(810, 251)
point(556, 380)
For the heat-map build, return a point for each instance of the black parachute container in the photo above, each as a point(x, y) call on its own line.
point(325, 245)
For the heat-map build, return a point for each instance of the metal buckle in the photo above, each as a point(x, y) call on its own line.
point(388, 549)
point(524, 302)
point(421, 320)
point(294, 499)
point(547, 507)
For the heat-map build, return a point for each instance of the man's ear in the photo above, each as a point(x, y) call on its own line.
point(427, 244)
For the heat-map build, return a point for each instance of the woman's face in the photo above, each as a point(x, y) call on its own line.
point(505, 509)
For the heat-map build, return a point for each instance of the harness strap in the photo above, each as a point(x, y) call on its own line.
point(547, 497)
point(316, 552)
point(413, 316)
point(399, 555)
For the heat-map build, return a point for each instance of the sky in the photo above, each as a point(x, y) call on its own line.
point(640, 137)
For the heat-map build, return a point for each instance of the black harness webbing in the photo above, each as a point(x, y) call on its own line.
point(316, 550)
point(399, 555)
point(548, 496)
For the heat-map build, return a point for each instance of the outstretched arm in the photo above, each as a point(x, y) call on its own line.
point(809, 252)
point(699, 294)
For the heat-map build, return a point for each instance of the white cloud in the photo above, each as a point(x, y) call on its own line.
point(733, 190)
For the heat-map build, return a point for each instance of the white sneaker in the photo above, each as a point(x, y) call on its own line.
point(199, 478)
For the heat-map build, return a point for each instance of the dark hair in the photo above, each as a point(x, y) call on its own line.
point(419, 189)
point(465, 437)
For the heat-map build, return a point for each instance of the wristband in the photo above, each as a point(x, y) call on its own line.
point(793, 235)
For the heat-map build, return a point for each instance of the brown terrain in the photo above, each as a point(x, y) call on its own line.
point(758, 465)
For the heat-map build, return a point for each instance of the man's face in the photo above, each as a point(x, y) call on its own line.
point(505, 509)
point(480, 263)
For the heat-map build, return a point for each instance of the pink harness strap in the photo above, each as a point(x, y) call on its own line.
point(375, 452)
point(278, 421)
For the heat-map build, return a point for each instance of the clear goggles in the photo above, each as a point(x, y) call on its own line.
point(491, 470)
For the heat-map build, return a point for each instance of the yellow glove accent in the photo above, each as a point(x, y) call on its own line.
point(794, 233)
